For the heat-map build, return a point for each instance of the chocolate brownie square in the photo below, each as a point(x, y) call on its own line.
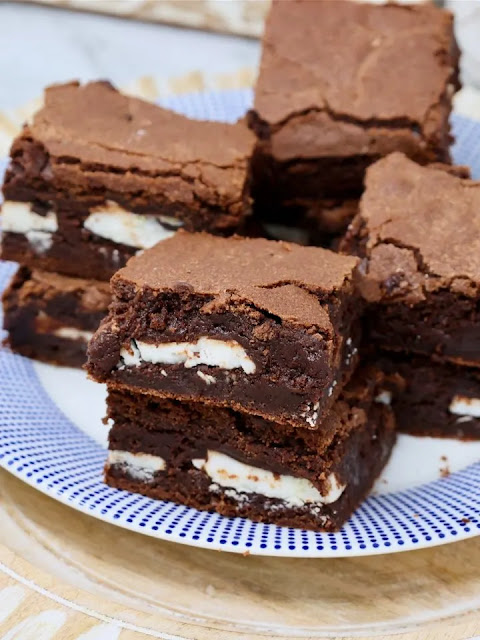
point(431, 398)
point(261, 326)
point(418, 233)
point(243, 465)
point(342, 84)
point(51, 317)
point(98, 176)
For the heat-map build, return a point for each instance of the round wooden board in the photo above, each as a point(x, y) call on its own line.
point(66, 576)
point(81, 578)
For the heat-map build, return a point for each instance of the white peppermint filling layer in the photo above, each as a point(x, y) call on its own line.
point(140, 466)
point(72, 333)
point(18, 217)
point(40, 241)
point(114, 223)
point(228, 473)
point(384, 397)
point(226, 354)
point(465, 406)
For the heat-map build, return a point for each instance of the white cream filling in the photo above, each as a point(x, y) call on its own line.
point(228, 473)
point(18, 217)
point(41, 241)
point(384, 397)
point(226, 354)
point(208, 379)
point(114, 223)
point(110, 221)
point(140, 466)
point(72, 333)
point(465, 406)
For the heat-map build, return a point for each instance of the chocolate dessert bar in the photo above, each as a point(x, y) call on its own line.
point(99, 176)
point(243, 465)
point(327, 100)
point(51, 317)
point(431, 398)
point(261, 326)
point(418, 233)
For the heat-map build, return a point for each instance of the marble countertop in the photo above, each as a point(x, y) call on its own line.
point(42, 45)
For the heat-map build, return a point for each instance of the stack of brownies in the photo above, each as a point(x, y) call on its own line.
point(418, 233)
point(95, 178)
point(227, 362)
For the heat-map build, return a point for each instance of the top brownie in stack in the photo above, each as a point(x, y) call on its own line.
point(418, 232)
point(342, 84)
point(98, 176)
point(259, 326)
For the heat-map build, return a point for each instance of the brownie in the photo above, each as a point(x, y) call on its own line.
point(261, 326)
point(99, 175)
point(431, 398)
point(418, 233)
point(243, 465)
point(327, 100)
point(51, 317)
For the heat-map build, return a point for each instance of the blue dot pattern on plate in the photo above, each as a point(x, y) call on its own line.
point(42, 447)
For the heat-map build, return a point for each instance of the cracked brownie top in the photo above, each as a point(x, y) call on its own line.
point(91, 122)
point(362, 73)
point(287, 280)
point(418, 230)
point(91, 141)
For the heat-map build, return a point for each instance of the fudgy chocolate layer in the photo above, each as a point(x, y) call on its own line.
point(445, 325)
point(299, 336)
point(360, 439)
point(433, 399)
point(73, 251)
point(310, 222)
point(276, 184)
point(49, 317)
point(294, 380)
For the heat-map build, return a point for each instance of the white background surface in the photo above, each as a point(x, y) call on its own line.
point(40, 46)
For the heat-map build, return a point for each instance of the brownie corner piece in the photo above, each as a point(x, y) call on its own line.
point(261, 326)
point(417, 233)
point(326, 107)
point(99, 175)
point(51, 317)
point(430, 398)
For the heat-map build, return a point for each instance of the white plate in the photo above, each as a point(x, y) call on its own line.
point(52, 437)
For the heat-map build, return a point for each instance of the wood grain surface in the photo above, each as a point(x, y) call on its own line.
point(92, 573)
point(242, 17)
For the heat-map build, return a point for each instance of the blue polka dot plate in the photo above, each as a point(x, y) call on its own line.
point(52, 437)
